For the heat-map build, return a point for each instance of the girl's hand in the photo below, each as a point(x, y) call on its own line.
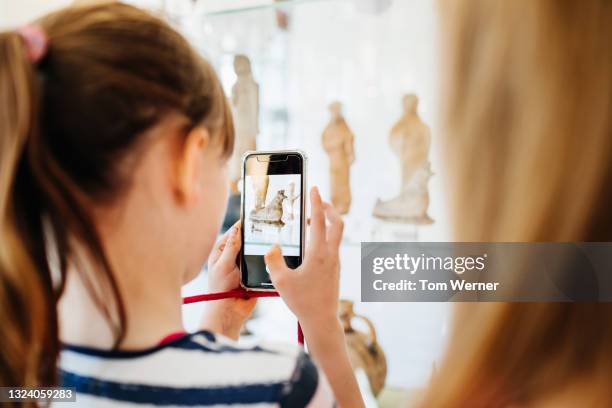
point(223, 271)
point(228, 315)
point(311, 290)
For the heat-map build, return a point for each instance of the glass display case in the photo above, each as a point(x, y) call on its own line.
point(366, 54)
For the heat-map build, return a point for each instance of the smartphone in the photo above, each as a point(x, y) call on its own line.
point(272, 212)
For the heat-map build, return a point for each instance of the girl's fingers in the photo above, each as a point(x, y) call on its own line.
point(336, 225)
point(220, 244)
point(317, 218)
point(277, 266)
point(216, 253)
point(232, 246)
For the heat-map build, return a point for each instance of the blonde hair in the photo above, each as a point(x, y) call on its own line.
point(528, 138)
point(67, 121)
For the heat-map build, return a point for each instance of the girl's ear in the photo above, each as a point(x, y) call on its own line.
point(189, 166)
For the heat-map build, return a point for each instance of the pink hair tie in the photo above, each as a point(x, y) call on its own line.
point(35, 41)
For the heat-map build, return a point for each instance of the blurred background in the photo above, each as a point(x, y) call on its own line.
point(304, 55)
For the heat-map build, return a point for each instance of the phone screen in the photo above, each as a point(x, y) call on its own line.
point(272, 213)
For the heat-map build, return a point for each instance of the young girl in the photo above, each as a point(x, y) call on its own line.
point(113, 140)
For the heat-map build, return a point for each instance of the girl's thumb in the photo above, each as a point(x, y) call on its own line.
point(275, 262)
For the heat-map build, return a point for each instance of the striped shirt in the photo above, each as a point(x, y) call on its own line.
point(197, 370)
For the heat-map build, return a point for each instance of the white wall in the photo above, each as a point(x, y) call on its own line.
point(14, 13)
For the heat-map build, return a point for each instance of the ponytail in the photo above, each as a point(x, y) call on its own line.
point(28, 317)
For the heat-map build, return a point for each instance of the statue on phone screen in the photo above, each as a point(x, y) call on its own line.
point(245, 108)
point(292, 197)
point(410, 140)
point(338, 144)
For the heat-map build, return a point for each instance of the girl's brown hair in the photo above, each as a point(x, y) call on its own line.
point(111, 72)
point(528, 139)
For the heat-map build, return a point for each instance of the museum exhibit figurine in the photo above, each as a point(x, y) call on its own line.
point(282, 17)
point(410, 140)
point(291, 198)
point(245, 109)
point(271, 213)
point(363, 347)
point(338, 144)
point(260, 185)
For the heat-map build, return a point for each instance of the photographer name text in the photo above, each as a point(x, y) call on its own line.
point(411, 265)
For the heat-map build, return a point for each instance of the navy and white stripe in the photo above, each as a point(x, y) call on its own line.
point(199, 369)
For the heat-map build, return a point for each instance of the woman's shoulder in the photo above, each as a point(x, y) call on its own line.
point(202, 366)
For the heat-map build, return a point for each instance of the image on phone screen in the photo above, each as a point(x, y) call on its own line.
point(272, 213)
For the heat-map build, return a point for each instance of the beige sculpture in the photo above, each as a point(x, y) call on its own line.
point(260, 180)
point(271, 213)
point(260, 185)
point(245, 107)
point(292, 197)
point(410, 141)
point(338, 143)
point(363, 347)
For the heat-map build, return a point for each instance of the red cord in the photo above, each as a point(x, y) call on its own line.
point(239, 293)
point(236, 293)
point(300, 335)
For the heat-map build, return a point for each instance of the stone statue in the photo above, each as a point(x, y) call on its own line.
point(338, 143)
point(271, 213)
point(245, 107)
point(410, 141)
point(260, 185)
point(363, 347)
point(291, 199)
